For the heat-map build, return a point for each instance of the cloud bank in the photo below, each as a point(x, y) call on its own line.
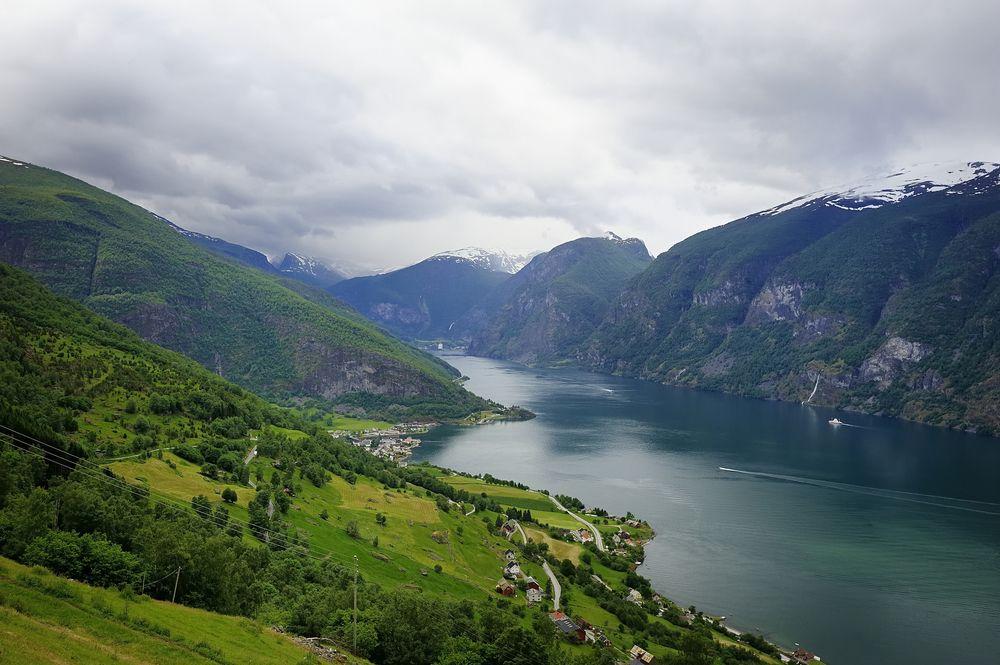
point(381, 133)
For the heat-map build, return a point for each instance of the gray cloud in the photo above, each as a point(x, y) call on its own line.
point(382, 133)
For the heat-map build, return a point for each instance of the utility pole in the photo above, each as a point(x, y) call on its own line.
point(173, 599)
point(355, 603)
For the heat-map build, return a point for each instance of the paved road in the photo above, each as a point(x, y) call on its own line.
point(524, 536)
point(250, 456)
point(471, 511)
point(556, 589)
point(598, 540)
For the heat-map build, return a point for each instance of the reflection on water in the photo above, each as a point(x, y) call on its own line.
point(877, 543)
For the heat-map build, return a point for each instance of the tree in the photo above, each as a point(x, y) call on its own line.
point(229, 495)
point(352, 529)
point(380, 519)
point(259, 522)
point(324, 515)
point(220, 516)
point(201, 506)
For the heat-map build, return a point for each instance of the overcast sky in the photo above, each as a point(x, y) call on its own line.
point(381, 133)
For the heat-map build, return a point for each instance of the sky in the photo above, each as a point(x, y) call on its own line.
point(374, 134)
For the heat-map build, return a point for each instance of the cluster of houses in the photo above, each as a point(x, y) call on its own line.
point(799, 657)
point(621, 541)
point(395, 444)
point(511, 573)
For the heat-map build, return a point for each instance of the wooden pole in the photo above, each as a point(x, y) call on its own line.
point(355, 603)
point(177, 580)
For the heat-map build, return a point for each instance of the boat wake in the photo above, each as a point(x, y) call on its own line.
point(967, 505)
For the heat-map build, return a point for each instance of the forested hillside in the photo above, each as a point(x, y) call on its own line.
point(125, 263)
point(884, 299)
point(421, 301)
point(555, 302)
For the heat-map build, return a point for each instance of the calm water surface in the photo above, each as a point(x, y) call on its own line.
point(872, 543)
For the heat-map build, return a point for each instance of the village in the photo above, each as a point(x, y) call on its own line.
point(395, 443)
point(576, 630)
point(625, 544)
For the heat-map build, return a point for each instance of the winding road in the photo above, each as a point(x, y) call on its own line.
point(524, 536)
point(556, 589)
point(598, 540)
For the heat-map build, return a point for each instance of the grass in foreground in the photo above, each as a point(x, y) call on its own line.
point(48, 619)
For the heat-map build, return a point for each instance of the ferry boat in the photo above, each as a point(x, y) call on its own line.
point(835, 421)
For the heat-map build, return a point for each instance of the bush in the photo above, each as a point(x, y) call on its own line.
point(229, 495)
point(87, 557)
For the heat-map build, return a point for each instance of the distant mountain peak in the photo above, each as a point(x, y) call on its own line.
point(886, 189)
point(494, 260)
point(310, 270)
point(636, 245)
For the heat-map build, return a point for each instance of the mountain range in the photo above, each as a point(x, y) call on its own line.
point(263, 331)
point(880, 296)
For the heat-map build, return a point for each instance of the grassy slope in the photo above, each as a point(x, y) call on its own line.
point(47, 619)
point(470, 562)
point(127, 264)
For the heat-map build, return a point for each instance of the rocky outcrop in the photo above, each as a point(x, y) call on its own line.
point(728, 293)
point(892, 360)
point(778, 301)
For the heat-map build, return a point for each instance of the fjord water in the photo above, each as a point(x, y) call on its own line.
point(877, 542)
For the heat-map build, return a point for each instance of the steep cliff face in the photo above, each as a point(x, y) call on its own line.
point(555, 302)
point(125, 263)
point(888, 295)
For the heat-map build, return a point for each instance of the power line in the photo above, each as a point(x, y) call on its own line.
point(118, 483)
point(91, 470)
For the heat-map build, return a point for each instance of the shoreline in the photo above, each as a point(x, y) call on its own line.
point(718, 623)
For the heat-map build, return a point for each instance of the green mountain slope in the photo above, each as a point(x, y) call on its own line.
point(127, 264)
point(555, 302)
point(887, 308)
point(68, 374)
point(46, 619)
point(421, 301)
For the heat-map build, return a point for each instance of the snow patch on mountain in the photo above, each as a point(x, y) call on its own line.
point(184, 232)
point(495, 260)
point(878, 191)
point(12, 162)
point(296, 263)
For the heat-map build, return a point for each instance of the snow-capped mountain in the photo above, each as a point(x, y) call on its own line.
point(495, 260)
point(310, 270)
point(878, 191)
